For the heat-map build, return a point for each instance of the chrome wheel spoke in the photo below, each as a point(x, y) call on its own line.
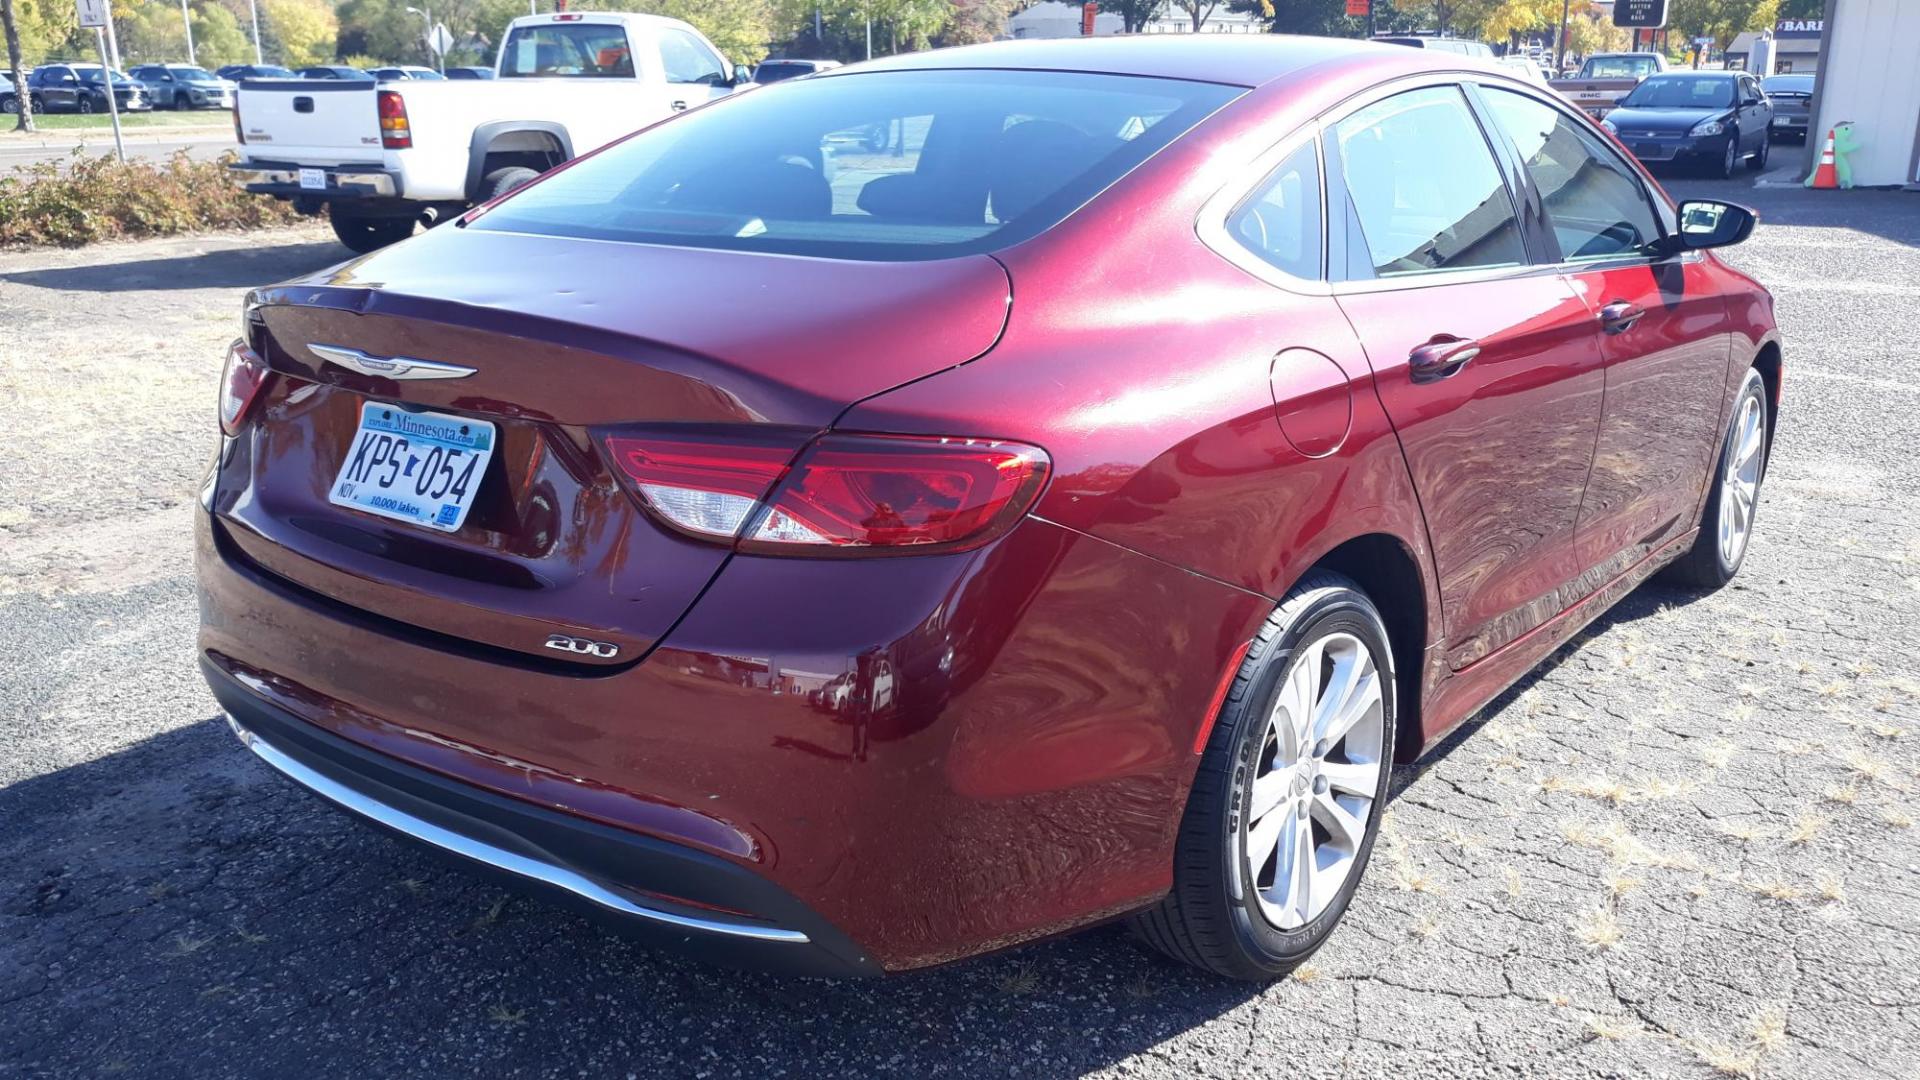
point(1360, 778)
point(1263, 840)
point(1293, 884)
point(1269, 791)
point(1345, 826)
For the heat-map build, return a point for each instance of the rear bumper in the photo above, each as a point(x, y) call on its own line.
point(926, 758)
point(342, 182)
point(723, 913)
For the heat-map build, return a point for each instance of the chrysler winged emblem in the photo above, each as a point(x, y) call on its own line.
point(388, 367)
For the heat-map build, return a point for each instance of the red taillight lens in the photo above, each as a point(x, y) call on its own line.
point(394, 132)
point(846, 494)
point(240, 383)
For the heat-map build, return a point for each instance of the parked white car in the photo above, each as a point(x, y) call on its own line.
point(383, 156)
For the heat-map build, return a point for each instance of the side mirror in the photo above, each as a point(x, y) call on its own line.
point(1707, 223)
point(742, 75)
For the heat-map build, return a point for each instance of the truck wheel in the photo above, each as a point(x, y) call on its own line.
point(501, 181)
point(369, 234)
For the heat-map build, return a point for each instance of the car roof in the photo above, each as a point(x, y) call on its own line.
point(1234, 59)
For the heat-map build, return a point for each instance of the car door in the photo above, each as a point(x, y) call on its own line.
point(1661, 327)
point(1485, 363)
point(60, 89)
point(1756, 113)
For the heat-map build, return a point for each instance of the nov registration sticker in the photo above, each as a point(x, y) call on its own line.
point(422, 468)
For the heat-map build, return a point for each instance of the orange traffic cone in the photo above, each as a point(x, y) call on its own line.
point(1826, 176)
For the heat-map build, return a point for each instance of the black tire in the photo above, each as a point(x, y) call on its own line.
point(1209, 920)
point(38, 105)
point(363, 235)
point(10, 105)
point(501, 181)
point(86, 103)
point(875, 138)
point(1759, 159)
point(1706, 566)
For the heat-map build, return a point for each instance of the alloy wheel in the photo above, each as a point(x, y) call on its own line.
point(1316, 776)
point(1740, 483)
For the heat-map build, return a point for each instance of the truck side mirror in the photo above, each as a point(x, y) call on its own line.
point(742, 75)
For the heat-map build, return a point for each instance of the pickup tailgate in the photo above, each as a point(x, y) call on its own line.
point(310, 121)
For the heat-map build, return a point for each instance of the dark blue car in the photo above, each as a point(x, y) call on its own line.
point(1714, 118)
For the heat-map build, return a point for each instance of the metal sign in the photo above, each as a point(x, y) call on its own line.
point(1088, 13)
point(1640, 14)
point(439, 40)
point(92, 12)
point(1359, 9)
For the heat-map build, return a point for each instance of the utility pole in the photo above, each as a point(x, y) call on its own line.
point(1560, 44)
point(253, 8)
point(186, 22)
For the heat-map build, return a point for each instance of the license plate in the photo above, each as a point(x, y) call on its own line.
point(422, 468)
point(313, 179)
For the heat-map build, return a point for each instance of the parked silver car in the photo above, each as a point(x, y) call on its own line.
point(184, 86)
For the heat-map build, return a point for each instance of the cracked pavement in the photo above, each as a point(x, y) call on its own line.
point(1683, 849)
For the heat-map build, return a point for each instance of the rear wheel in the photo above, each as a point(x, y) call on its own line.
point(1285, 807)
point(86, 103)
point(501, 181)
point(1726, 525)
point(10, 105)
point(369, 234)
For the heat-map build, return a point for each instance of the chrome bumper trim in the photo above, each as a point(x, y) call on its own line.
point(501, 859)
point(378, 182)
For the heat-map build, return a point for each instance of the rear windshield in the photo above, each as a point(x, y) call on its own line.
point(774, 71)
point(1619, 67)
point(567, 51)
point(878, 165)
point(1788, 84)
point(1681, 92)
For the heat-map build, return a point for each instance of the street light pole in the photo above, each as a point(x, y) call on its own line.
point(432, 39)
point(186, 21)
point(253, 7)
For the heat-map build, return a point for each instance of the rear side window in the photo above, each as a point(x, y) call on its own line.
point(686, 59)
point(1424, 187)
point(773, 71)
point(567, 51)
point(1598, 209)
point(881, 165)
point(1280, 222)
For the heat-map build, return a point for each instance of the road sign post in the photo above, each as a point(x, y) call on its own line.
point(95, 14)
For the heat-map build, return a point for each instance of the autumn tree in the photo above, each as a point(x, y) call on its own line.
point(1134, 14)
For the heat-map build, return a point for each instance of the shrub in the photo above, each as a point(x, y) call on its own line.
point(86, 199)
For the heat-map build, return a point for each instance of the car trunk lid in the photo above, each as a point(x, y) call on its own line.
point(566, 339)
point(310, 121)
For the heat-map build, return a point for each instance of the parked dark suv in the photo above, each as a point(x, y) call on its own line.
point(83, 88)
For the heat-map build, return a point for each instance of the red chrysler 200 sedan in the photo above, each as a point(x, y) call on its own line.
point(908, 511)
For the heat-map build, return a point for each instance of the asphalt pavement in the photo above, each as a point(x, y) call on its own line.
point(150, 144)
point(1685, 848)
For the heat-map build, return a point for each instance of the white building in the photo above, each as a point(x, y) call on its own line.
point(1054, 19)
point(1868, 75)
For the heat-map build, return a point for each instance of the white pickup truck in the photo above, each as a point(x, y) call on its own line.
point(385, 156)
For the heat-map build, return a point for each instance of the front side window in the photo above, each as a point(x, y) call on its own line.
point(686, 59)
point(567, 51)
point(884, 165)
point(1280, 222)
point(1423, 186)
point(1597, 208)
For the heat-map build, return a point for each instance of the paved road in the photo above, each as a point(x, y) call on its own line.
point(49, 145)
point(1686, 849)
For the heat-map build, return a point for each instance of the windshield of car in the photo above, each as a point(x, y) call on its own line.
point(1619, 67)
point(190, 74)
point(882, 165)
point(1681, 92)
point(1788, 84)
point(268, 71)
point(567, 51)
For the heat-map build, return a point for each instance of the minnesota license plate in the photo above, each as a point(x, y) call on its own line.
point(422, 468)
point(313, 179)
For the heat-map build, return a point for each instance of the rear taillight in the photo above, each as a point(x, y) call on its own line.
point(240, 383)
point(394, 132)
point(842, 495)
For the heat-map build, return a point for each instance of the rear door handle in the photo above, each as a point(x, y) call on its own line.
point(1619, 317)
point(1441, 357)
point(679, 106)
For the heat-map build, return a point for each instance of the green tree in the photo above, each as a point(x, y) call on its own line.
point(303, 30)
point(1134, 14)
point(977, 21)
point(1720, 19)
point(218, 39)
